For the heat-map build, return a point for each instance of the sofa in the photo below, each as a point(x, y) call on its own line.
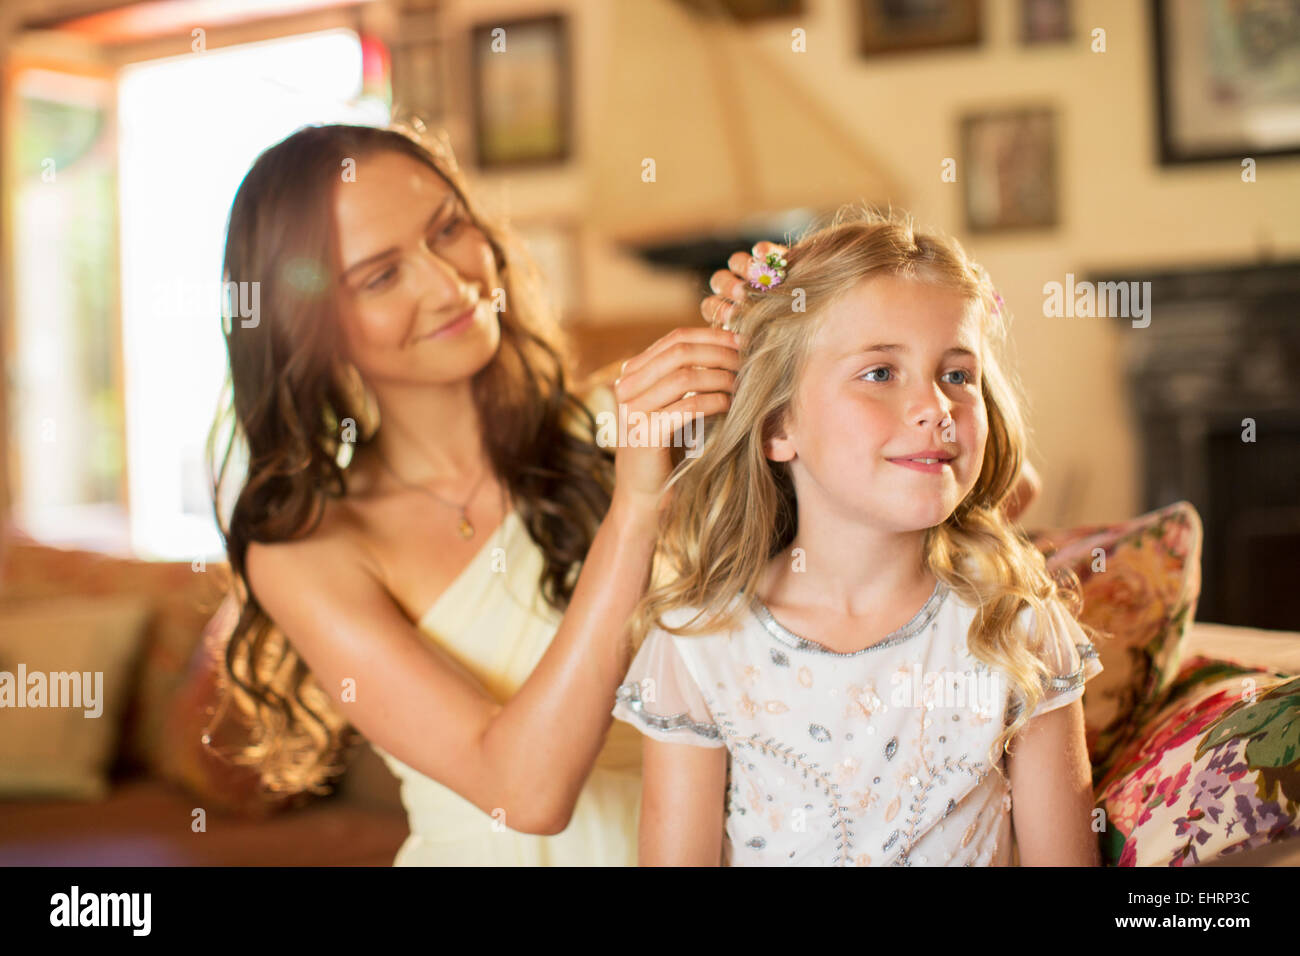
point(136, 787)
point(130, 797)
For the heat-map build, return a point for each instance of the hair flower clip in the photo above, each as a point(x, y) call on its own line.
point(768, 272)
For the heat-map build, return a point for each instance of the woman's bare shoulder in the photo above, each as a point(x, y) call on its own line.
point(337, 542)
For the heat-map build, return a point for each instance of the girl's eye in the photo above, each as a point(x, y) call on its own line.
point(873, 371)
point(966, 380)
point(450, 228)
point(380, 280)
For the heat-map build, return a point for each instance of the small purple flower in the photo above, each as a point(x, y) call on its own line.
point(763, 276)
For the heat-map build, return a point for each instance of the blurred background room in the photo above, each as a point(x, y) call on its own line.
point(633, 145)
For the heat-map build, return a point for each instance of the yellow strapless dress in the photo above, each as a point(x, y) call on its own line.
point(495, 622)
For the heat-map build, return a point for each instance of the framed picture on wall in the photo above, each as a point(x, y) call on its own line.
point(745, 11)
point(1045, 21)
point(895, 26)
point(521, 88)
point(1227, 79)
point(1009, 167)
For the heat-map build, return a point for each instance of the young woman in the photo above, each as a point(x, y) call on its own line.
point(459, 592)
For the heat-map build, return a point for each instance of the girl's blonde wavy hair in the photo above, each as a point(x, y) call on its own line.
point(732, 509)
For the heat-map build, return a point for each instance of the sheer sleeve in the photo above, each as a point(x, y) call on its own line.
point(661, 699)
point(1070, 657)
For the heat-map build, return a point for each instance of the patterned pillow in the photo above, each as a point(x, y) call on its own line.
point(1216, 772)
point(64, 748)
point(1141, 580)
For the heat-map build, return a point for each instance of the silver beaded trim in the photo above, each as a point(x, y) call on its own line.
point(908, 630)
point(1067, 683)
point(630, 694)
point(1071, 681)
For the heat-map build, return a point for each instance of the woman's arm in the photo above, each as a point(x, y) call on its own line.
point(1051, 790)
point(683, 802)
point(530, 756)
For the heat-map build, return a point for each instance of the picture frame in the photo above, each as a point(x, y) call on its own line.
point(1227, 92)
point(521, 87)
point(1009, 169)
point(747, 11)
point(899, 26)
point(1045, 21)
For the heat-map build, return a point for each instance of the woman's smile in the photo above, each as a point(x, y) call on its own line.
point(455, 327)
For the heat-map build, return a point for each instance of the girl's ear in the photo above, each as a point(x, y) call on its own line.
point(777, 444)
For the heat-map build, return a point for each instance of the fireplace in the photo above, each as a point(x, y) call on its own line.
point(1215, 387)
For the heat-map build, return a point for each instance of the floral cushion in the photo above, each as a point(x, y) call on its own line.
point(1216, 772)
point(1141, 581)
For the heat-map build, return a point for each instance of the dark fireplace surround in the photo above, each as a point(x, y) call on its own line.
point(1223, 346)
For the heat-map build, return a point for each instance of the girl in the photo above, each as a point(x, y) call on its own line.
point(847, 633)
point(424, 512)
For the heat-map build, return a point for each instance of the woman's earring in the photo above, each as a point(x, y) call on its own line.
point(361, 401)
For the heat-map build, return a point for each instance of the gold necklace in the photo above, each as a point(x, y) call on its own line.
point(464, 527)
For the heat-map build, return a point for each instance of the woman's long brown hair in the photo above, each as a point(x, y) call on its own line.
point(293, 415)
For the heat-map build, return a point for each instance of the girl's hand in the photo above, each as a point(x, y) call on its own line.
point(730, 285)
point(690, 371)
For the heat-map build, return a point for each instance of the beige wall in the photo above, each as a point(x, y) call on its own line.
point(1119, 208)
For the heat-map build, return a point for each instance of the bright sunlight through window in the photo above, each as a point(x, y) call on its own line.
point(190, 128)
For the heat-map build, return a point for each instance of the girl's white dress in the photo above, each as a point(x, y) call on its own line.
point(877, 757)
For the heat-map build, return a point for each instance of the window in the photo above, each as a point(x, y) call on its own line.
point(132, 452)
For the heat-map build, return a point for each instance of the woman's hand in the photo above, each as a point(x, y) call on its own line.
point(689, 372)
point(730, 285)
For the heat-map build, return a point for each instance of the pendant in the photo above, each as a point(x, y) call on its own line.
point(465, 528)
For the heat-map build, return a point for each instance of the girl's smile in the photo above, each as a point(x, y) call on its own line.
point(931, 466)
